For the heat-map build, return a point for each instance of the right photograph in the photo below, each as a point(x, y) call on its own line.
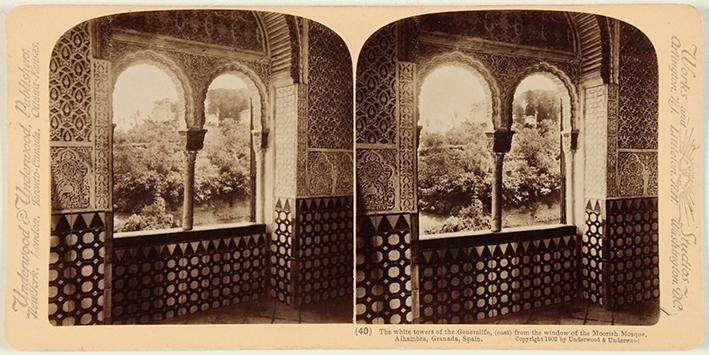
point(506, 171)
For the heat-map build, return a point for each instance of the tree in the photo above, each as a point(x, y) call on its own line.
point(455, 167)
point(149, 166)
point(227, 103)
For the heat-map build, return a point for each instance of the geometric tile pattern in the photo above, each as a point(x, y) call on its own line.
point(281, 252)
point(619, 252)
point(330, 90)
point(591, 254)
point(632, 261)
point(384, 282)
point(324, 233)
point(465, 279)
point(76, 268)
point(162, 276)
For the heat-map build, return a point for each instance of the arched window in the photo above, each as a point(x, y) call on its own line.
point(454, 162)
point(147, 150)
point(533, 174)
point(224, 171)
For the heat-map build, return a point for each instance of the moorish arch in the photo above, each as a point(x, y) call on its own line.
point(475, 67)
point(186, 104)
point(569, 119)
point(253, 83)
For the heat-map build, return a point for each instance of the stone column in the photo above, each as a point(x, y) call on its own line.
point(259, 140)
point(418, 136)
point(569, 144)
point(188, 189)
point(500, 142)
point(194, 141)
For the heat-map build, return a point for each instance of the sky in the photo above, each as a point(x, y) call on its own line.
point(137, 88)
point(536, 81)
point(141, 85)
point(228, 81)
point(450, 92)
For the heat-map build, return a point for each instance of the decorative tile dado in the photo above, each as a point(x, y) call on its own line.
point(70, 91)
point(72, 174)
point(160, 278)
point(591, 254)
point(330, 90)
point(376, 89)
point(464, 283)
point(324, 231)
point(282, 259)
point(376, 179)
point(76, 268)
point(631, 242)
point(384, 269)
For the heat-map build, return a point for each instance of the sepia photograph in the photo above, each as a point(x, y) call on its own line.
point(201, 170)
point(353, 177)
point(507, 171)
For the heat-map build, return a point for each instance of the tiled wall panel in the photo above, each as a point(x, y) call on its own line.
point(324, 229)
point(463, 282)
point(632, 251)
point(384, 269)
point(76, 268)
point(281, 251)
point(160, 277)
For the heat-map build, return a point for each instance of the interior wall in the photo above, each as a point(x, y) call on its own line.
point(84, 64)
point(620, 242)
point(325, 184)
point(615, 168)
point(387, 79)
point(386, 187)
point(80, 183)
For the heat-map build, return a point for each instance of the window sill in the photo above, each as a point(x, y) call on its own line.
point(508, 235)
point(178, 235)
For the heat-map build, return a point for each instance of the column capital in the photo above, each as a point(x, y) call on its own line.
point(500, 140)
point(570, 140)
point(259, 139)
point(194, 138)
point(418, 136)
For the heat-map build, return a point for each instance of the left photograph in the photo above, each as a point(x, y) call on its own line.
point(201, 170)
